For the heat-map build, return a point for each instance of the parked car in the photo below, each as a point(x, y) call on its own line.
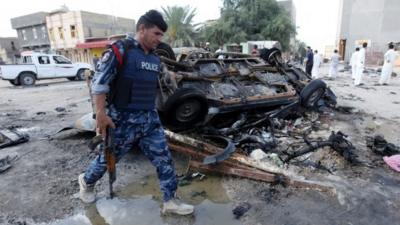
point(37, 66)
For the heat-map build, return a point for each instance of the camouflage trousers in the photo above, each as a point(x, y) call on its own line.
point(142, 128)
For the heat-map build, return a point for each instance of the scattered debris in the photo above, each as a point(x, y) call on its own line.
point(380, 146)
point(9, 137)
point(337, 141)
point(237, 165)
point(60, 109)
point(188, 178)
point(5, 163)
point(241, 209)
point(352, 97)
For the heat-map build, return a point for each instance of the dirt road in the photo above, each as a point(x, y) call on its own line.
point(41, 186)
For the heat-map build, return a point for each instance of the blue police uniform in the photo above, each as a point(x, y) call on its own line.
point(133, 112)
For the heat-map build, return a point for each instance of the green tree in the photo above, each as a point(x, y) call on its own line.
point(244, 20)
point(180, 28)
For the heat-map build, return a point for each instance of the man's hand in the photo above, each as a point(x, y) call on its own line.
point(102, 122)
point(102, 119)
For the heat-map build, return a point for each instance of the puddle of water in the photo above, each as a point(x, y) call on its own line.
point(194, 193)
point(145, 210)
point(140, 202)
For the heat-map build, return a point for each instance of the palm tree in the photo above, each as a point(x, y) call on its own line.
point(180, 28)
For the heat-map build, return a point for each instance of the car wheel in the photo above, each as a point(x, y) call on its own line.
point(27, 79)
point(185, 108)
point(165, 50)
point(80, 75)
point(312, 93)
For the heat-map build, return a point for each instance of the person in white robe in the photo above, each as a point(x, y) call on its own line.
point(360, 65)
point(333, 70)
point(353, 63)
point(317, 63)
point(387, 68)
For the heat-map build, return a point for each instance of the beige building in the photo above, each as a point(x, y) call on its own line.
point(79, 35)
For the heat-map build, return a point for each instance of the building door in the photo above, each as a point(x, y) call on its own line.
point(342, 48)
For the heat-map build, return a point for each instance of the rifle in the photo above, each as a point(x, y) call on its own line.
point(109, 151)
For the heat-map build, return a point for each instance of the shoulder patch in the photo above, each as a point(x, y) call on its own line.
point(106, 57)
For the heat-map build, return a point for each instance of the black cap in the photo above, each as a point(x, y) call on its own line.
point(154, 17)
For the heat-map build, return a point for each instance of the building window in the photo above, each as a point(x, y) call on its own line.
point(61, 33)
point(74, 32)
point(23, 32)
point(44, 32)
point(51, 33)
point(34, 32)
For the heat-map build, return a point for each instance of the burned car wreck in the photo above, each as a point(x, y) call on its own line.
point(228, 113)
point(199, 89)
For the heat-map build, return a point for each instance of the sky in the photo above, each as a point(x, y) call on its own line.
point(316, 19)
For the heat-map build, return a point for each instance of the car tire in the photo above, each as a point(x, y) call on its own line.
point(80, 75)
point(165, 50)
point(185, 108)
point(27, 79)
point(312, 93)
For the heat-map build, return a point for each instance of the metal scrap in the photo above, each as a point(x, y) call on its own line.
point(237, 164)
point(9, 137)
point(6, 163)
point(380, 146)
point(337, 141)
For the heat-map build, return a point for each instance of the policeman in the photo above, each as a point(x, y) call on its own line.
point(310, 60)
point(129, 70)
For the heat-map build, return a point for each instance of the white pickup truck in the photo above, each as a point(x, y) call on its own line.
point(37, 66)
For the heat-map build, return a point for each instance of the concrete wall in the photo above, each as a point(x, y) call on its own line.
point(32, 31)
point(375, 21)
point(100, 25)
point(9, 50)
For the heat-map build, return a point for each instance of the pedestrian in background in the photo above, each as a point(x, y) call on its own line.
point(309, 60)
point(317, 63)
point(254, 51)
point(207, 47)
point(387, 68)
point(333, 69)
point(95, 61)
point(220, 50)
point(360, 65)
point(353, 63)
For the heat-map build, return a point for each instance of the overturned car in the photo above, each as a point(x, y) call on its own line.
point(198, 87)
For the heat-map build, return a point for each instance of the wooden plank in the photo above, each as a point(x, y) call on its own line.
point(227, 170)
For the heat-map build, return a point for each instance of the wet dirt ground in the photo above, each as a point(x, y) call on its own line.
point(41, 186)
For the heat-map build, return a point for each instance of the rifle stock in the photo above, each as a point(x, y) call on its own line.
point(109, 153)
